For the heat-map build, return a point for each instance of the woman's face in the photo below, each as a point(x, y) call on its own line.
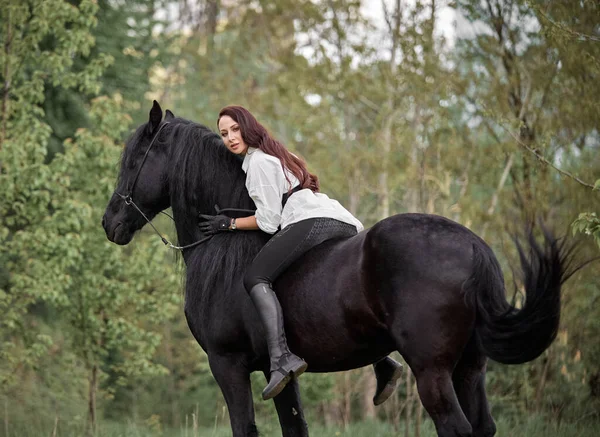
point(232, 135)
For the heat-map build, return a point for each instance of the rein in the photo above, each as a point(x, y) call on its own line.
point(128, 199)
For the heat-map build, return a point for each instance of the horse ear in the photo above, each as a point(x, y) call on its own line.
point(169, 115)
point(155, 117)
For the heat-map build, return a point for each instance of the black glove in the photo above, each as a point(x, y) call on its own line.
point(211, 224)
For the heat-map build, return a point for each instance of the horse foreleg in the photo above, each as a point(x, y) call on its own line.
point(234, 380)
point(289, 410)
point(469, 384)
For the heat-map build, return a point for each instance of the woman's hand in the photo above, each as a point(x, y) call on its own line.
point(212, 224)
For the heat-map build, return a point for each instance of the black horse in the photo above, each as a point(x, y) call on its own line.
point(419, 284)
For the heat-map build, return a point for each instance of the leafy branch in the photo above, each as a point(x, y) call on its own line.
point(587, 223)
point(565, 29)
point(543, 160)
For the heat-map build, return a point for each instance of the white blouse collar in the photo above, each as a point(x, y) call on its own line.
point(246, 162)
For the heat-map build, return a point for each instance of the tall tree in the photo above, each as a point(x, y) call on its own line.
point(127, 31)
point(30, 187)
point(115, 299)
point(54, 252)
point(534, 114)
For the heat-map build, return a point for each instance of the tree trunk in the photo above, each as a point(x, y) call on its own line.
point(413, 203)
point(539, 391)
point(6, 416)
point(384, 189)
point(346, 406)
point(211, 25)
point(494, 202)
point(195, 421)
point(328, 413)
point(93, 386)
point(527, 137)
point(172, 392)
point(394, 21)
point(55, 429)
point(6, 86)
point(369, 385)
point(409, 402)
point(353, 182)
point(419, 415)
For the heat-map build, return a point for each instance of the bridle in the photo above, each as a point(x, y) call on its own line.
point(128, 199)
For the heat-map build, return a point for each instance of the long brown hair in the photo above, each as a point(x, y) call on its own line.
point(254, 134)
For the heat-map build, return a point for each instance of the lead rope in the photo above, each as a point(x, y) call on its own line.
point(188, 246)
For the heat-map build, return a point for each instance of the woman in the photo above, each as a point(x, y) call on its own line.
point(287, 197)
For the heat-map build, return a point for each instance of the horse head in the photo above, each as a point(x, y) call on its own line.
point(142, 187)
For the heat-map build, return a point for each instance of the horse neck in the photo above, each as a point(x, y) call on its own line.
point(210, 177)
point(216, 266)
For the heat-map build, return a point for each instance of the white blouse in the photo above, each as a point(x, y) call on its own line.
point(266, 184)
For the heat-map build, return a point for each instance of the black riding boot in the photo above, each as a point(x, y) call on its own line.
point(387, 372)
point(284, 364)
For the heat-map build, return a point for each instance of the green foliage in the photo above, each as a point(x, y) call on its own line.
point(29, 187)
point(123, 33)
point(589, 224)
point(109, 311)
point(57, 258)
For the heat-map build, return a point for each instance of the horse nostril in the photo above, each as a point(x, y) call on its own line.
point(104, 221)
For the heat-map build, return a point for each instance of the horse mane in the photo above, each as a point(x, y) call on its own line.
point(202, 173)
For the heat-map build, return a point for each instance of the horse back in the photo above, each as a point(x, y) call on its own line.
point(341, 299)
point(421, 248)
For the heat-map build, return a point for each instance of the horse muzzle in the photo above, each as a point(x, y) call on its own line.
point(116, 231)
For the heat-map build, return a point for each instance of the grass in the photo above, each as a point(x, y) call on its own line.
point(534, 426)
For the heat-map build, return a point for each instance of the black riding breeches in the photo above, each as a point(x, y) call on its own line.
point(289, 244)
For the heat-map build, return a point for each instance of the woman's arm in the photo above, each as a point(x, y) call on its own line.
point(265, 182)
point(245, 223)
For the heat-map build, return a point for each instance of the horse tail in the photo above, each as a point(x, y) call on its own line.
point(508, 334)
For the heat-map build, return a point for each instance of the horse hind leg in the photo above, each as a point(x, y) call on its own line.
point(439, 399)
point(469, 384)
point(431, 340)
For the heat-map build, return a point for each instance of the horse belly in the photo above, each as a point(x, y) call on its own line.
point(330, 320)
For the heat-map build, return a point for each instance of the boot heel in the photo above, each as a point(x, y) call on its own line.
point(299, 369)
point(295, 366)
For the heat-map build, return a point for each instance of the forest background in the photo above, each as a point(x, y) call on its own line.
point(489, 117)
